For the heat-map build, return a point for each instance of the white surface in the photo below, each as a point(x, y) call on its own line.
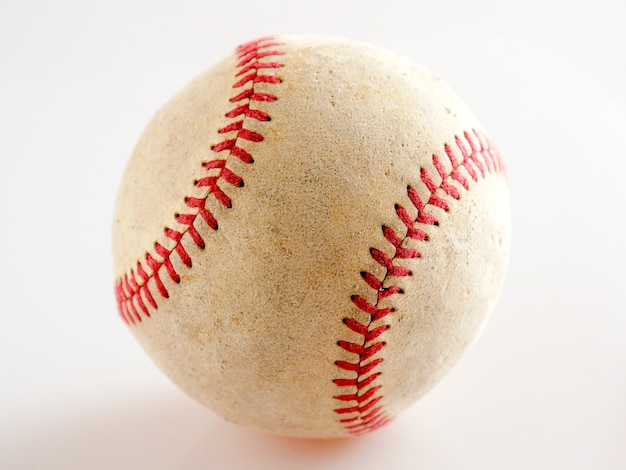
point(545, 386)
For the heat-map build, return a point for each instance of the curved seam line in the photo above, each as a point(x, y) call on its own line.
point(371, 415)
point(130, 287)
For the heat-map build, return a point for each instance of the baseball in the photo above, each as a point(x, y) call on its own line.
point(310, 234)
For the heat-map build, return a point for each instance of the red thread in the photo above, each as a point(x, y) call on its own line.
point(235, 126)
point(478, 157)
point(132, 291)
point(254, 77)
point(245, 110)
point(249, 135)
point(255, 54)
point(259, 65)
point(252, 96)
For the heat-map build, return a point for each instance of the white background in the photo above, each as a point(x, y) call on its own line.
point(544, 387)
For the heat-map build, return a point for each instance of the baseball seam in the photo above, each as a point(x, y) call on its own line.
point(362, 405)
point(133, 294)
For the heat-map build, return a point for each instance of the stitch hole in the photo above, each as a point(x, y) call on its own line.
point(345, 321)
point(436, 223)
point(352, 297)
point(241, 184)
point(195, 182)
point(393, 309)
point(387, 327)
point(401, 291)
point(176, 215)
point(396, 206)
point(410, 273)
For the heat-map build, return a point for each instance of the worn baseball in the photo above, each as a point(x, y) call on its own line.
point(310, 235)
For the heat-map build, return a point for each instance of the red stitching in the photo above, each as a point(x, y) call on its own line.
point(134, 298)
point(478, 157)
